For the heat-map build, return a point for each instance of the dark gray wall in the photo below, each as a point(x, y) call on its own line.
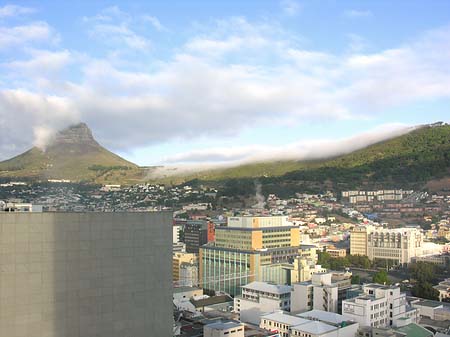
point(85, 274)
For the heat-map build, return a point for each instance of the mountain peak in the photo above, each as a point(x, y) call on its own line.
point(78, 134)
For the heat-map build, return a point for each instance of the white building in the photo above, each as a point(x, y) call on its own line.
point(444, 289)
point(314, 323)
point(380, 306)
point(259, 298)
point(325, 292)
point(224, 329)
point(176, 233)
point(258, 221)
point(399, 244)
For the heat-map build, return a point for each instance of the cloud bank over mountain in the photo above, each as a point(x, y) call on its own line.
point(226, 75)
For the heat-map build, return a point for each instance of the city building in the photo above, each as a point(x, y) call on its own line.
point(336, 252)
point(84, 274)
point(444, 289)
point(257, 251)
point(303, 269)
point(178, 259)
point(399, 245)
point(433, 310)
point(380, 306)
point(325, 291)
point(224, 329)
point(314, 323)
point(176, 234)
point(358, 240)
point(195, 235)
point(188, 274)
point(260, 298)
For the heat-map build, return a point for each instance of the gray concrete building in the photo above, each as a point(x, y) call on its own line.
point(85, 274)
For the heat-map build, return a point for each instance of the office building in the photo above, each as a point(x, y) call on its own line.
point(358, 240)
point(249, 249)
point(380, 306)
point(325, 291)
point(85, 274)
point(195, 235)
point(399, 245)
point(259, 298)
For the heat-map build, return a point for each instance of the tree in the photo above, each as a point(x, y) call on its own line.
point(381, 277)
point(422, 271)
point(324, 258)
point(356, 279)
point(425, 290)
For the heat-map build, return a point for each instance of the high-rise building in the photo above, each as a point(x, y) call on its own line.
point(380, 306)
point(249, 249)
point(358, 240)
point(85, 274)
point(195, 235)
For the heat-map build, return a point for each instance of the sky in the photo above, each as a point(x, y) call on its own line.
point(222, 82)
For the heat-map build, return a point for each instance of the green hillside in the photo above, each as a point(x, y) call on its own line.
point(410, 160)
point(406, 161)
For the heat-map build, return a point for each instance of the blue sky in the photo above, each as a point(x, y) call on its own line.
point(221, 82)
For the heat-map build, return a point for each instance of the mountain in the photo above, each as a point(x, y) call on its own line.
point(411, 161)
point(414, 160)
point(72, 154)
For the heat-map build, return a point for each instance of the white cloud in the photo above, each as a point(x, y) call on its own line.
point(20, 35)
point(290, 7)
point(14, 10)
point(154, 22)
point(120, 34)
point(232, 76)
point(29, 118)
point(116, 28)
point(300, 150)
point(42, 62)
point(355, 13)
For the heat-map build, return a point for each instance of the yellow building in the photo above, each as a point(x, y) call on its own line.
point(303, 269)
point(249, 249)
point(336, 252)
point(358, 240)
point(178, 259)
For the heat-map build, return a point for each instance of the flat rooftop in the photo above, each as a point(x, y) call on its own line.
point(314, 328)
point(283, 318)
point(324, 316)
point(268, 287)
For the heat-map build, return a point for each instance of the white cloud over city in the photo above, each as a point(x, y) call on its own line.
point(227, 75)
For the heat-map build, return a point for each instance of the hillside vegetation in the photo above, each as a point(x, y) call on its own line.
point(407, 161)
